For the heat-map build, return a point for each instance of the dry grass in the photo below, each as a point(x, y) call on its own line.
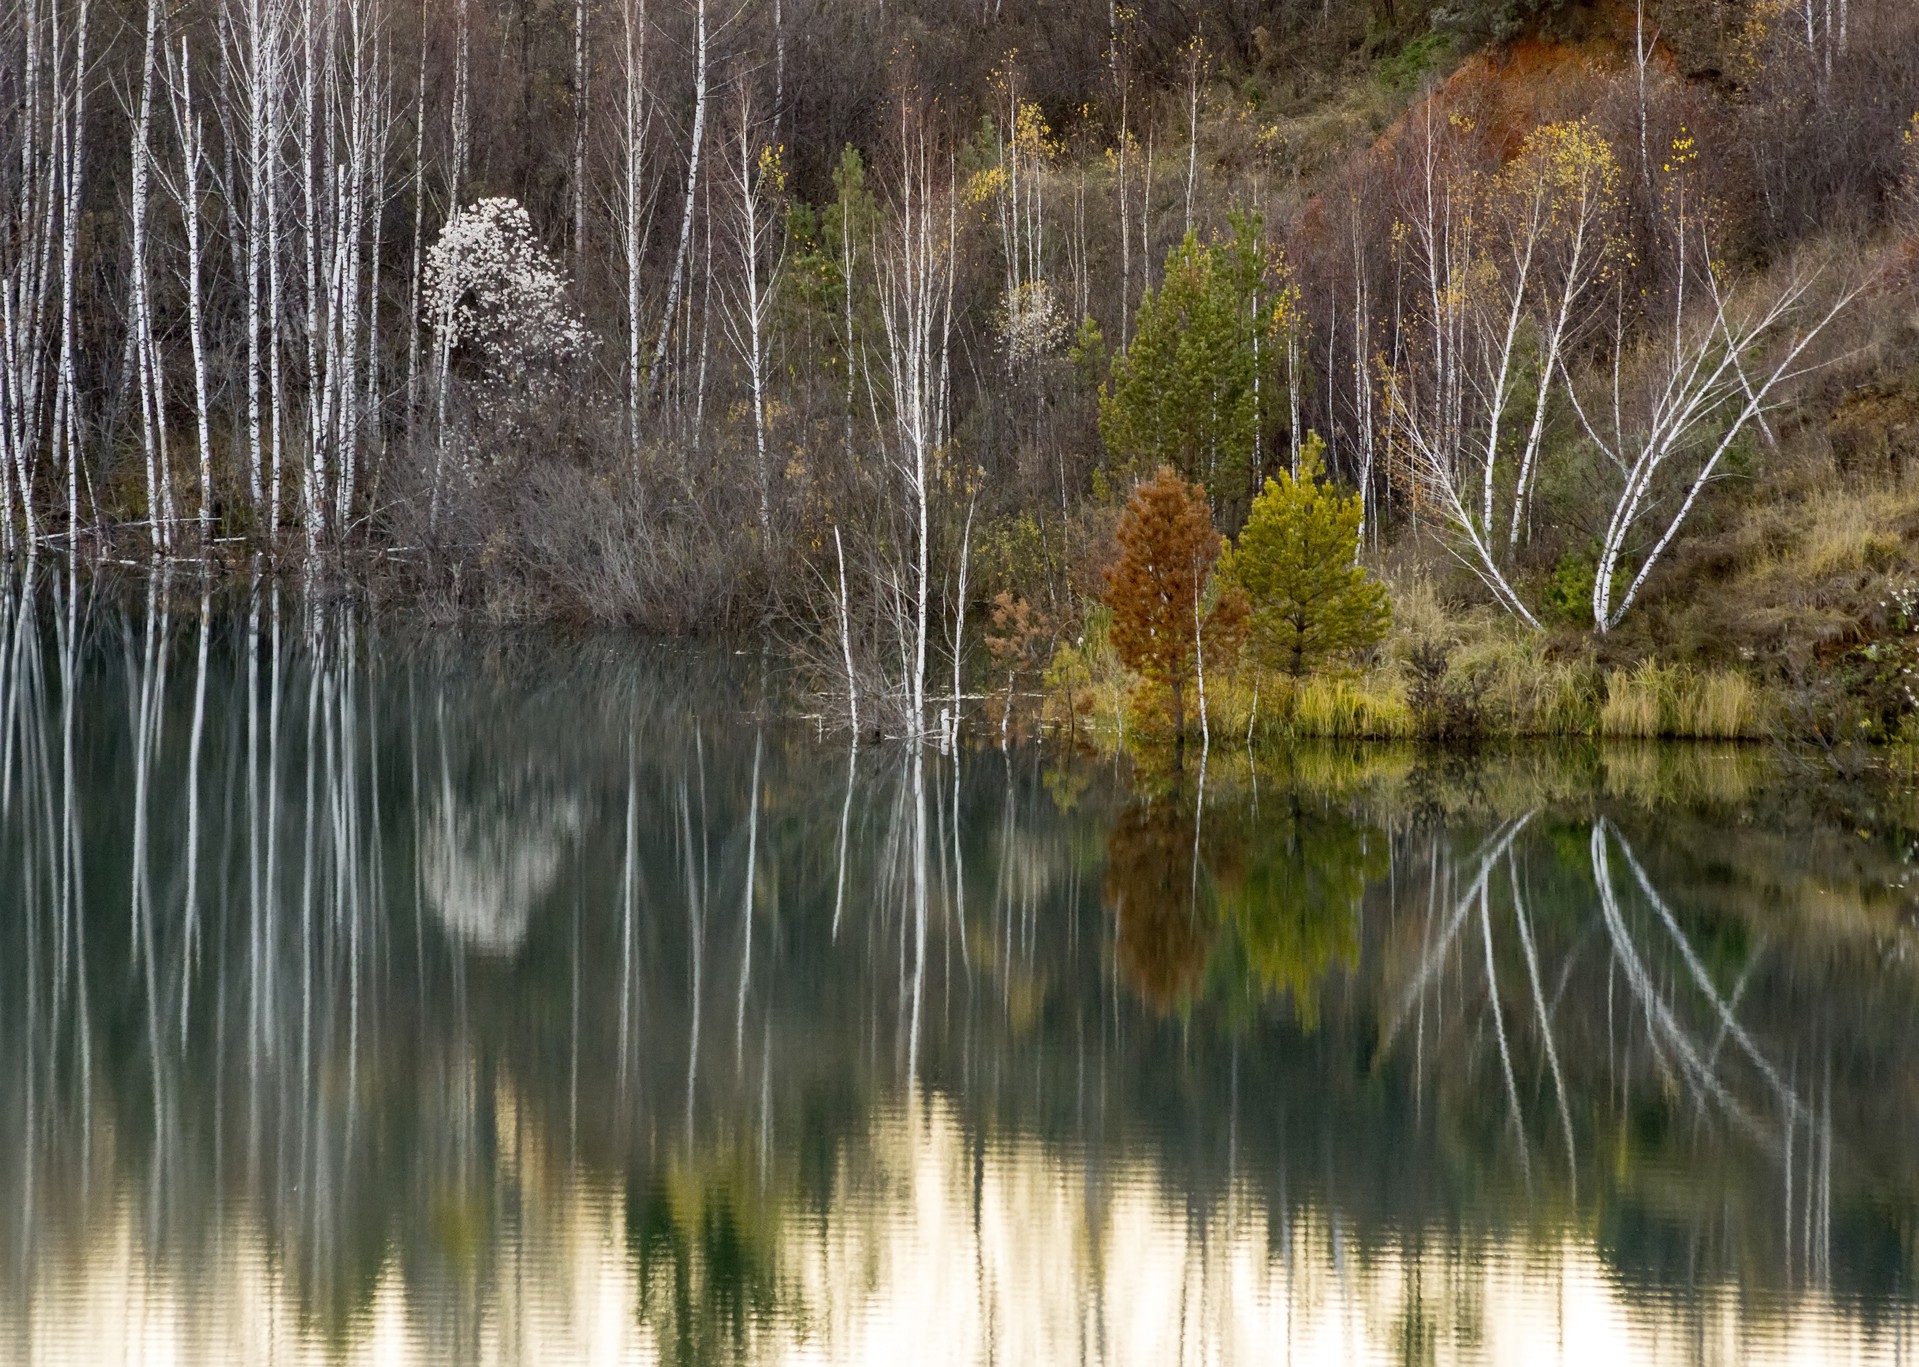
point(1368, 707)
point(1846, 530)
point(1525, 689)
point(1636, 705)
point(1523, 697)
point(1724, 705)
point(1801, 566)
point(1674, 702)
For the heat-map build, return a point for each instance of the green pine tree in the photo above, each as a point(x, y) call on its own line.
point(1182, 393)
point(1296, 560)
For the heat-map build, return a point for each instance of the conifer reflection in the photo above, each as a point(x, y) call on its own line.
point(1294, 903)
point(705, 1237)
point(1161, 932)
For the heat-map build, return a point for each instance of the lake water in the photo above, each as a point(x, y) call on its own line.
point(376, 995)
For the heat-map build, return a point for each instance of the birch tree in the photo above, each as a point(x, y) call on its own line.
point(755, 183)
point(913, 263)
point(257, 34)
point(148, 370)
point(1560, 201)
point(70, 160)
point(1033, 321)
point(581, 90)
point(192, 152)
point(1713, 368)
point(696, 142)
point(635, 199)
point(42, 125)
point(1506, 269)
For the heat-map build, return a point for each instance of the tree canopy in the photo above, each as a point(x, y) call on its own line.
point(1168, 620)
point(1309, 598)
point(1184, 392)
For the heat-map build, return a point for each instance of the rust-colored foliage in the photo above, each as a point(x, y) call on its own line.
point(1161, 938)
point(1018, 637)
point(1020, 641)
point(1166, 625)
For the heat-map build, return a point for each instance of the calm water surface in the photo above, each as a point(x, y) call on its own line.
point(371, 996)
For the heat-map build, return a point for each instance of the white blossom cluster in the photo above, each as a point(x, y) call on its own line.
point(1033, 323)
point(1903, 607)
point(492, 289)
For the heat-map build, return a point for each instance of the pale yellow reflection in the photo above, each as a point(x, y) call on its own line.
point(932, 1254)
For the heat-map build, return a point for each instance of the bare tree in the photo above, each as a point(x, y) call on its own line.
point(148, 369)
point(635, 200)
point(696, 143)
point(1505, 265)
point(755, 183)
point(192, 152)
point(43, 125)
point(913, 266)
point(1696, 400)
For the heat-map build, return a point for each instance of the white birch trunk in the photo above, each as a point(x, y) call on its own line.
point(152, 395)
point(276, 389)
point(755, 223)
point(192, 150)
point(676, 281)
point(259, 40)
point(580, 93)
point(846, 648)
point(416, 257)
point(634, 204)
point(912, 270)
point(68, 420)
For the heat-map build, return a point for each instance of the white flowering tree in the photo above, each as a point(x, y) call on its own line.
point(1033, 324)
point(498, 299)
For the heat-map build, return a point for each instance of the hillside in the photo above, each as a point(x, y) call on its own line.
point(843, 319)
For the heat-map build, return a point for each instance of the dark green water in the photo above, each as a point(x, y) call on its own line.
point(372, 995)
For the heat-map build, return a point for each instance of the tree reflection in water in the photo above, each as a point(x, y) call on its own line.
point(1295, 907)
point(531, 997)
point(1161, 932)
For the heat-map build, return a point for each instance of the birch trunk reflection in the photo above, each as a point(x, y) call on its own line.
point(368, 978)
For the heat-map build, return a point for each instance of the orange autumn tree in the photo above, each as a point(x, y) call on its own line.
point(1169, 623)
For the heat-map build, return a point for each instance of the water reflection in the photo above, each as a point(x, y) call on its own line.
point(370, 996)
point(1161, 933)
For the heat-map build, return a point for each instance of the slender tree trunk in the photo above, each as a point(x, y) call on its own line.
point(1125, 228)
point(846, 640)
point(276, 391)
point(314, 195)
point(1197, 57)
point(191, 148)
point(1199, 665)
point(580, 93)
point(706, 333)
point(676, 280)
point(462, 96)
point(145, 357)
point(69, 426)
point(633, 205)
point(915, 309)
point(258, 40)
point(847, 267)
point(754, 225)
point(416, 256)
point(443, 332)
